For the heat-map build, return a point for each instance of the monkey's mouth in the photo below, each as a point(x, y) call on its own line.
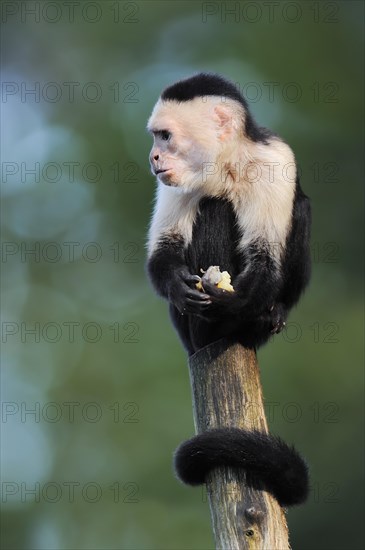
point(158, 172)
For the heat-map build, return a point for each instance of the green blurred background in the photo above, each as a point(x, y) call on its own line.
point(96, 392)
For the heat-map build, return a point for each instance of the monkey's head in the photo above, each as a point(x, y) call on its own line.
point(197, 125)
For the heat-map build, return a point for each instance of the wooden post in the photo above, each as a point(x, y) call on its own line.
point(226, 390)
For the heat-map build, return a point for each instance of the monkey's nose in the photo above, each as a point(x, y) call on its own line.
point(156, 157)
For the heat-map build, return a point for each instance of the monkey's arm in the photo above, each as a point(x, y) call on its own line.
point(172, 279)
point(256, 290)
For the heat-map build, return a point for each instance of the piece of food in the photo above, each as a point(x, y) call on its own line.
point(225, 282)
point(214, 276)
point(199, 286)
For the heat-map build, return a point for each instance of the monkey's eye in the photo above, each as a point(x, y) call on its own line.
point(165, 135)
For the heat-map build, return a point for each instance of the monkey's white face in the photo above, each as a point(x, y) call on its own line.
point(177, 160)
point(185, 142)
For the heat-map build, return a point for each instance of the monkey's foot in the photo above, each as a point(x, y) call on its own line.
point(278, 318)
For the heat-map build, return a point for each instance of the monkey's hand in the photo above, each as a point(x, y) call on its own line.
point(184, 296)
point(222, 301)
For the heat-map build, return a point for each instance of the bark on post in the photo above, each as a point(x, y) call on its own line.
point(226, 388)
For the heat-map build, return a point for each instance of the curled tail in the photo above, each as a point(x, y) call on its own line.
point(269, 463)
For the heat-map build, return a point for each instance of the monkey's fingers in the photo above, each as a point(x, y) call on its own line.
point(191, 280)
point(196, 308)
point(196, 302)
point(197, 296)
point(213, 290)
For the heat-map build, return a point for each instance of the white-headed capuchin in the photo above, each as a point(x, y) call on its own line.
point(229, 196)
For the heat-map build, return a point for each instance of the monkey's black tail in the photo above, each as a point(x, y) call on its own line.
point(269, 463)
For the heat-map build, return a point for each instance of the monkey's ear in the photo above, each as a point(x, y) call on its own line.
point(224, 119)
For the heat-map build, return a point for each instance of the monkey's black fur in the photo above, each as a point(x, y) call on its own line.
point(203, 84)
point(268, 462)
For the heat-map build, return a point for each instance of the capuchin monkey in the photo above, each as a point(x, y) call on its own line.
point(228, 195)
